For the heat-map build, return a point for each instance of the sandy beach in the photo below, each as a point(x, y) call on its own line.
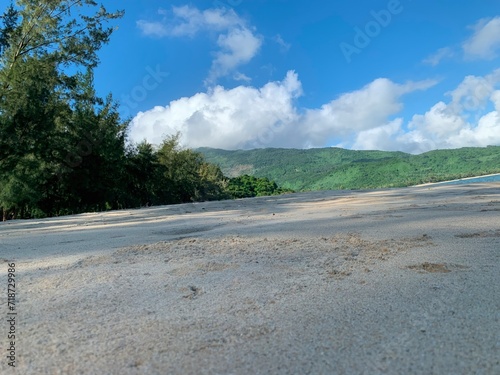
point(400, 281)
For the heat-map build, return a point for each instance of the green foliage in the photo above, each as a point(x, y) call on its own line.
point(335, 168)
point(142, 176)
point(212, 185)
point(59, 143)
point(249, 186)
point(171, 174)
point(56, 31)
point(10, 18)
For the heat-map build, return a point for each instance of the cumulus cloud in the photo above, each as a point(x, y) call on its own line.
point(237, 41)
point(248, 117)
point(242, 117)
point(485, 42)
point(472, 93)
point(449, 125)
point(470, 118)
point(368, 118)
point(380, 137)
point(357, 111)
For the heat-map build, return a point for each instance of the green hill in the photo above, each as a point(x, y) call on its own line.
point(336, 168)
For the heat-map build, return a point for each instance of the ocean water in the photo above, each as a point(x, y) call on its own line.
point(493, 178)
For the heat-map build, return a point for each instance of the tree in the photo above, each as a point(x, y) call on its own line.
point(56, 30)
point(181, 171)
point(9, 19)
point(213, 183)
point(170, 174)
point(143, 178)
point(41, 103)
point(93, 162)
point(246, 186)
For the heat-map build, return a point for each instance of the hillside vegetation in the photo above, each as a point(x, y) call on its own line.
point(336, 168)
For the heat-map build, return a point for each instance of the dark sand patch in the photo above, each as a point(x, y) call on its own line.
point(483, 234)
point(430, 267)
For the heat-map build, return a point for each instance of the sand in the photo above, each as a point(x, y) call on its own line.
point(400, 281)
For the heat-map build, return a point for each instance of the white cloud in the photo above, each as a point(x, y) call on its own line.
point(445, 125)
point(358, 111)
point(485, 43)
point(439, 56)
point(241, 77)
point(432, 130)
point(449, 125)
point(189, 20)
point(380, 137)
point(247, 117)
point(186, 21)
point(472, 93)
point(367, 118)
point(486, 132)
point(237, 41)
point(156, 29)
point(242, 117)
point(495, 98)
point(238, 47)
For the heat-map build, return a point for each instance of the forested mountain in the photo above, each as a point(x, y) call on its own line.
point(336, 168)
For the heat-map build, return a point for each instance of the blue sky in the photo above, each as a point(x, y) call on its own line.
point(394, 75)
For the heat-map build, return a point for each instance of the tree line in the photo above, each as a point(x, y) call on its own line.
point(63, 149)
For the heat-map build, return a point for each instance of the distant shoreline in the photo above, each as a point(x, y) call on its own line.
point(458, 179)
